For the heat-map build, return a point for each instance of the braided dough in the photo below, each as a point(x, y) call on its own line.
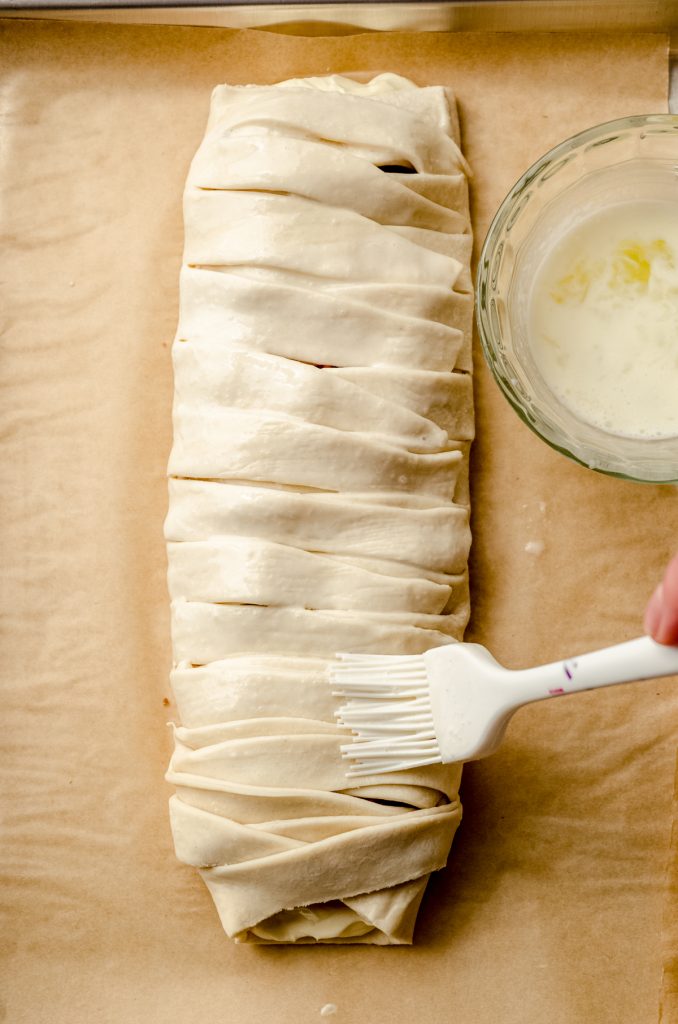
point(318, 492)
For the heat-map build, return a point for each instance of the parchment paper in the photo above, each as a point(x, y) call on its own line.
point(551, 908)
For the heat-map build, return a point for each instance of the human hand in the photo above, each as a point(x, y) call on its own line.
point(661, 614)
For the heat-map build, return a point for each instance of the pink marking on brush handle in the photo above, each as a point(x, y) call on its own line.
point(558, 689)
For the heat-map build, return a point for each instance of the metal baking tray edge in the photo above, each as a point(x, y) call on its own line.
point(310, 17)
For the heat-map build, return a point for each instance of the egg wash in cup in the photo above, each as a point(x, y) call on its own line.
point(577, 298)
point(603, 324)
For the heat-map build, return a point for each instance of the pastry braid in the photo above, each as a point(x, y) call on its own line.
point(318, 492)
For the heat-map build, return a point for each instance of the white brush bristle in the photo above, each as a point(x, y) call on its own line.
point(388, 708)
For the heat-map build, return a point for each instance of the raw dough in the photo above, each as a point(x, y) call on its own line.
point(318, 492)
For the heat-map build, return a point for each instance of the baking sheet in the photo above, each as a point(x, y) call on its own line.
point(402, 16)
point(553, 901)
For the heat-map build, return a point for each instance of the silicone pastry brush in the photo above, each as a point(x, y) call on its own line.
point(454, 702)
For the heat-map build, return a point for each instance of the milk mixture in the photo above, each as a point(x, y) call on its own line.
point(604, 319)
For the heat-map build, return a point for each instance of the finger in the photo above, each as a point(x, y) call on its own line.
point(662, 612)
point(653, 612)
point(671, 583)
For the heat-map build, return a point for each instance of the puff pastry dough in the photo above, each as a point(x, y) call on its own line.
point(318, 492)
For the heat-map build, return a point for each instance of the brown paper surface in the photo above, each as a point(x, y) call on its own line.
point(552, 905)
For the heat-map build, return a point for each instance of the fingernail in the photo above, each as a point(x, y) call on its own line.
point(653, 613)
point(666, 632)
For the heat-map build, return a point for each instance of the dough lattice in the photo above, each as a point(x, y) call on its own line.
point(318, 491)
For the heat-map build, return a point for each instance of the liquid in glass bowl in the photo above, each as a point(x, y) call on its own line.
point(577, 298)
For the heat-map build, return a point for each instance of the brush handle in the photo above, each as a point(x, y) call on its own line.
point(636, 659)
